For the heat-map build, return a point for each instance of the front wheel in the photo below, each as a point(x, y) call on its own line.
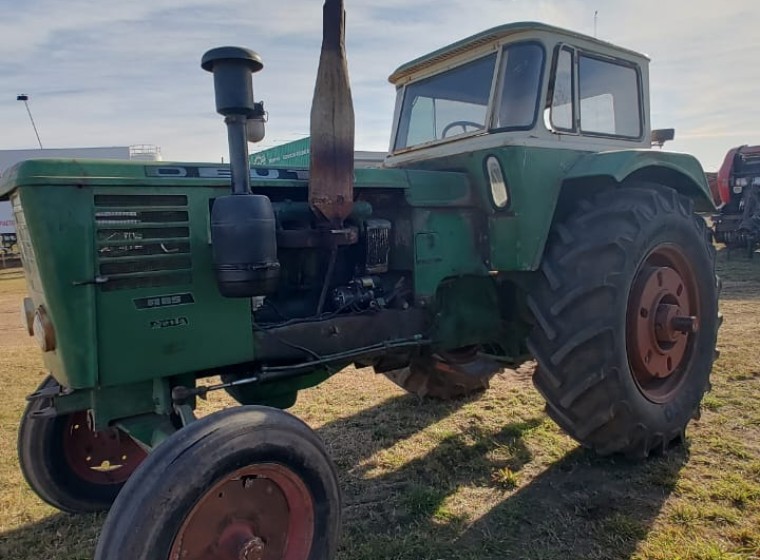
point(68, 464)
point(248, 482)
point(626, 310)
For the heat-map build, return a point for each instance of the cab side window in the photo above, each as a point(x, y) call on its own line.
point(594, 95)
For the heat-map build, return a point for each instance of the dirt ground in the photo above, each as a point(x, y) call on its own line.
point(487, 478)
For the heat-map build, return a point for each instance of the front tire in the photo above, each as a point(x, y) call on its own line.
point(70, 466)
point(246, 482)
point(622, 365)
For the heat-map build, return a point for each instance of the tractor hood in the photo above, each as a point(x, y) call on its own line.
point(421, 186)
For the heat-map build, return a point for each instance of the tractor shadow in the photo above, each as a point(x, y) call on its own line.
point(350, 441)
point(581, 506)
point(740, 275)
point(57, 536)
point(395, 507)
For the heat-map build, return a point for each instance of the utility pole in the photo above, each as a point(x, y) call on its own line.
point(25, 98)
point(596, 13)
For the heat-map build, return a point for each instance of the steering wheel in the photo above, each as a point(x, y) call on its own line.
point(463, 124)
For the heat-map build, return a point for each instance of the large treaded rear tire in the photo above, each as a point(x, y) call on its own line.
point(580, 303)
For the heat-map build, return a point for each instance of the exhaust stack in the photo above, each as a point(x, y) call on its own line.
point(243, 228)
point(331, 184)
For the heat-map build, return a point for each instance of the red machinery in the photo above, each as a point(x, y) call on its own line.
point(738, 223)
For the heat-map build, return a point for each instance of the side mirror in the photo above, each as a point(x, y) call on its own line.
point(662, 135)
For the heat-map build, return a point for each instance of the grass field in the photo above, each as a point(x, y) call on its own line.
point(485, 478)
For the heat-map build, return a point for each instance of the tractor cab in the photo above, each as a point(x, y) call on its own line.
point(521, 83)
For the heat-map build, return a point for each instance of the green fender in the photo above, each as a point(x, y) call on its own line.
point(682, 172)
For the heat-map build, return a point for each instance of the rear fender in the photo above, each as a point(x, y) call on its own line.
point(681, 172)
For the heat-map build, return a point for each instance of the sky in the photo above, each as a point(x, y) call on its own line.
point(105, 73)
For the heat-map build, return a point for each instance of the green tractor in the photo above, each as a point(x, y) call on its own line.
point(520, 214)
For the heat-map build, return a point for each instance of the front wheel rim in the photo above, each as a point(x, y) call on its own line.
point(662, 322)
point(258, 512)
point(104, 457)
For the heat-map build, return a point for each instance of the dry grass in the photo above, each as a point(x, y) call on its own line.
point(486, 478)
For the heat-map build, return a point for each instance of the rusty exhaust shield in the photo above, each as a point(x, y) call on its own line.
point(331, 184)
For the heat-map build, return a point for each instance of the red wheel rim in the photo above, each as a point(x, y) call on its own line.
point(662, 322)
point(259, 512)
point(104, 457)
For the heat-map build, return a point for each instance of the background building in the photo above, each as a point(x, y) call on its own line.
point(298, 152)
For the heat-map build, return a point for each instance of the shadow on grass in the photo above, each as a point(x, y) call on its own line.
point(579, 507)
point(740, 275)
point(58, 536)
point(350, 441)
point(737, 254)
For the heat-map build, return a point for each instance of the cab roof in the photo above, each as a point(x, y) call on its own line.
point(491, 36)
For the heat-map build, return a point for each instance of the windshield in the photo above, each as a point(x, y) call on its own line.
point(456, 102)
point(446, 105)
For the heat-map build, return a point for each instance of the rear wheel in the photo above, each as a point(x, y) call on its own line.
point(626, 320)
point(245, 483)
point(445, 376)
point(68, 464)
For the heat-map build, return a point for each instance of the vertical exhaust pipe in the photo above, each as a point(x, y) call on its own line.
point(243, 229)
point(331, 183)
point(232, 68)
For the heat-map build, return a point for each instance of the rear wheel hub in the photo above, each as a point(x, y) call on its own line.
point(661, 321)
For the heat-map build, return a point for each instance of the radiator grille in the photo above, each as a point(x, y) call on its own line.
point(143, 241)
